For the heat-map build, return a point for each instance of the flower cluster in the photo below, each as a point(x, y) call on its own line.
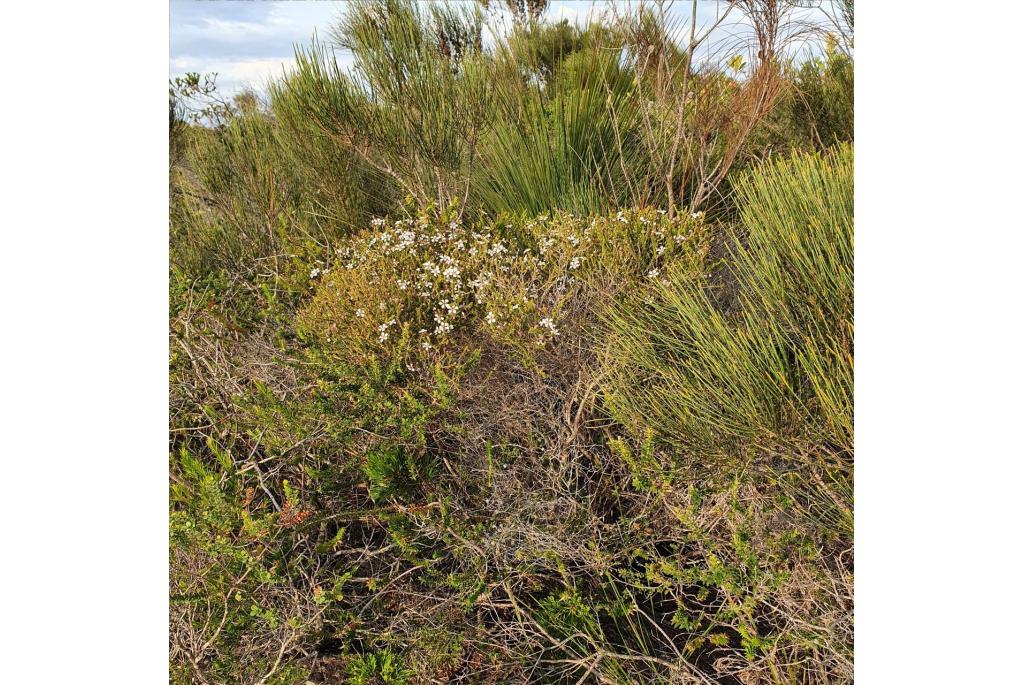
point(430, 277)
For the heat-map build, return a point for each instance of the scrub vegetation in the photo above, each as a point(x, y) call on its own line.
point(520, 351)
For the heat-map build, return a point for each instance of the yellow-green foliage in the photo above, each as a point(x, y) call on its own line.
point(771, 367)
point(432, 278)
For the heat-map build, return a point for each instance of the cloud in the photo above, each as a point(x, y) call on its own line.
point(233, 75)
point(246, 43)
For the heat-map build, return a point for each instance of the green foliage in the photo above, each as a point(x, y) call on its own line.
point(242, 222)
point(378, 668)
point(340, 189)
point(823, 104)
point(459, 391)
point(562, 138)
point(415, 101)
point(774, 369)
point(393, 473)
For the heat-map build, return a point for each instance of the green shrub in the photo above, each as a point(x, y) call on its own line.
point(417, 99)
point(563, 135)
point(823, 103)
point(244, 217)
point(425, 285)
point(774, 368)
point(383, 668)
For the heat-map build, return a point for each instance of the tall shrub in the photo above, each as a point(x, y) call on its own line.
point(774, 369)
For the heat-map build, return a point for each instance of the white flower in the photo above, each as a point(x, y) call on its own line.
point(314, 273)
point(697, 215)
point(451, 272)
point(377, 222)
point(405, 239)
point(402, 284)
point(550, 325)
point(383, 328)
point(491, 318)
point(653, 273)
point(360, 313)
point(661, 250)
point(574, 264)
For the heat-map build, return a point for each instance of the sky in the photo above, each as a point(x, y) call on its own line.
point(248, 42)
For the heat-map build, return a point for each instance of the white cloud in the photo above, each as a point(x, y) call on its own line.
point(245, 43)
point(232, 75)
point(248, 43)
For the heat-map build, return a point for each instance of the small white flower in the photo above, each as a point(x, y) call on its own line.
point(697, 215)
point(360, 313)
point(491, 318)
point(377, 222)
point(574, 264)
point(550, 325)
point(653, 273)
point(661, 250)
point(383, 328)
point(314, 273)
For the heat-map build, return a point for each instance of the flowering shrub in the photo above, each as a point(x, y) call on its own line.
point(429, 279)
